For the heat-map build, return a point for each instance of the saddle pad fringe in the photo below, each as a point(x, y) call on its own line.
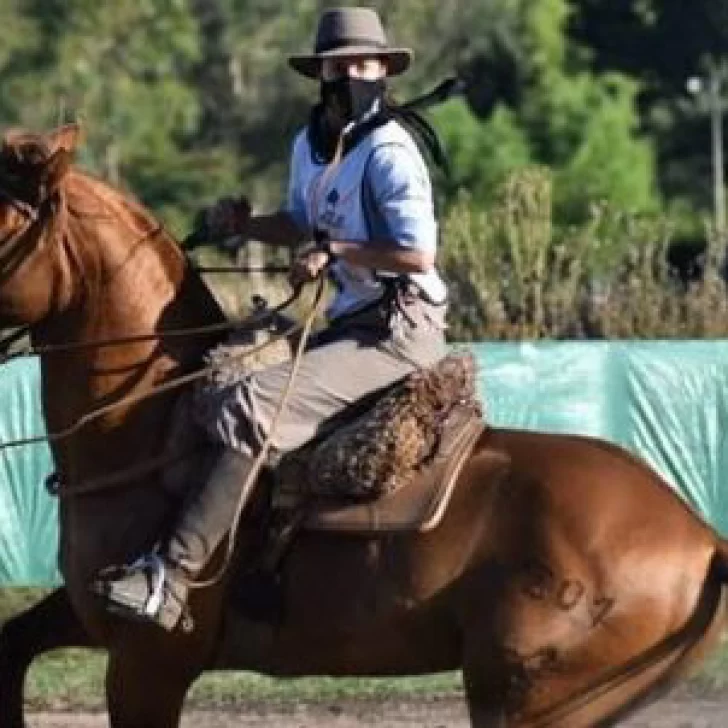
point(381, 451)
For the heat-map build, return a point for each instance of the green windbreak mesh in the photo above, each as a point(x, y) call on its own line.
point(676, 399)
point(28, 523)
point(666, 401)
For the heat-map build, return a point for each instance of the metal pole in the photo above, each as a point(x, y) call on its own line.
point(716, 114)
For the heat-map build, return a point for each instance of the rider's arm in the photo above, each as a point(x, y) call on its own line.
point(383, 255)
point(404, 230)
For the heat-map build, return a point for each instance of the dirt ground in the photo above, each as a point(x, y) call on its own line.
point(443, 713)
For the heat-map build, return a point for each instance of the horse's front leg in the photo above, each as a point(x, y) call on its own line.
point(49, 624)
point(146, 684)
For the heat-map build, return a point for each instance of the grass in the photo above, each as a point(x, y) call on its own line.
point(74, 679)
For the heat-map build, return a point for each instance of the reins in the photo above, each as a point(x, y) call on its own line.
point(116, 479)
point(262, 456)
point(24, 208)
point(122, 477)
point(168, 386)
point(253, 323)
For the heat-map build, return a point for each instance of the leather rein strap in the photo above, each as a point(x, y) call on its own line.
point(254, 323)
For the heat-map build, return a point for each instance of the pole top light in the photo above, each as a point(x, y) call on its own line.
point(694, 85)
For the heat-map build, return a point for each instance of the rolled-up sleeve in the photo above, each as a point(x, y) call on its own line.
point(402, 195)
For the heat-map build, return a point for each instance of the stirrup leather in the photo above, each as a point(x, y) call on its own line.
point(158, 571)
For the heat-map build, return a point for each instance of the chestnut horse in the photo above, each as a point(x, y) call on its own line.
point(566, 579)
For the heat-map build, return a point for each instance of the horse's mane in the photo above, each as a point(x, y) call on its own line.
point(88, 195)
point(23, 159)
point(33, 171)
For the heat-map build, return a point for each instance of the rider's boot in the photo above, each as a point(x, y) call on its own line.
point(155, 587)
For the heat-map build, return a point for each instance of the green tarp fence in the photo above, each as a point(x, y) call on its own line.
point(28, 522)
point(667, 401)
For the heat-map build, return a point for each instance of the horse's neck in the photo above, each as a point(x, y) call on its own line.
point(138, 283)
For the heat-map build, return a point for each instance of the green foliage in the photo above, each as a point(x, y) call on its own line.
point(20, 35)
point(515, 274)
point(482, 153)
point(609, 162)
point(662, 45)
point(179, 184)
point(123, 71)
point(584, 126)
point(544, 23)
point(167, 90)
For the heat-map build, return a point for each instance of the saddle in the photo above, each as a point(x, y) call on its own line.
point(417, 507)
point(388, 464)
point(393, 466)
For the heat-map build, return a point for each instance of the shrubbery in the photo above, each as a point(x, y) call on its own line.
point(514, 274)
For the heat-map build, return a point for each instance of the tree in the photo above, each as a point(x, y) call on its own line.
point(583, 125)
point(662, 44)
point(482, 153)
point(122, 70)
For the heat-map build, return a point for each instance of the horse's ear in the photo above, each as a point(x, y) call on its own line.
point(64, 138)
point(54, 170)
point(61, 145)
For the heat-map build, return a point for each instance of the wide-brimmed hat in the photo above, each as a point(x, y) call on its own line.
point(351, 32)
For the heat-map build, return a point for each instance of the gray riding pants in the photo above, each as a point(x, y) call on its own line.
point(352, 358)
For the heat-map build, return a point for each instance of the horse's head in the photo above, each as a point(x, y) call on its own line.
point(32, 170)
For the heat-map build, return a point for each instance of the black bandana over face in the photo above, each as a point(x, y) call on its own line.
point(351, 98)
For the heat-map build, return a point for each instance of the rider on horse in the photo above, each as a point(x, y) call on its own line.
point(359, 187)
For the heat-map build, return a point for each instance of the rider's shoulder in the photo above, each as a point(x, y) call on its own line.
point(300, 141)
point(393, 132)
point(392, 147)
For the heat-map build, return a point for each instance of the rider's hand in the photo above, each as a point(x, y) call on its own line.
point(308, 266)
point(226, 220)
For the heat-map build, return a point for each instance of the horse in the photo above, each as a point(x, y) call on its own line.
point(566, 579)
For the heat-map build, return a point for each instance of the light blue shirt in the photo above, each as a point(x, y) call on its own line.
point(380, 191)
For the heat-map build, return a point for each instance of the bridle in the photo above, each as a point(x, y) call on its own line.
point(256, 322)
point(24, 208)
point(33, 215)
point(302, 329)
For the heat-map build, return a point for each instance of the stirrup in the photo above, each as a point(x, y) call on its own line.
point(153, 600)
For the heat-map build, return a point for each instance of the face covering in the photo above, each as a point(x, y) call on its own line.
point(351, 98)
